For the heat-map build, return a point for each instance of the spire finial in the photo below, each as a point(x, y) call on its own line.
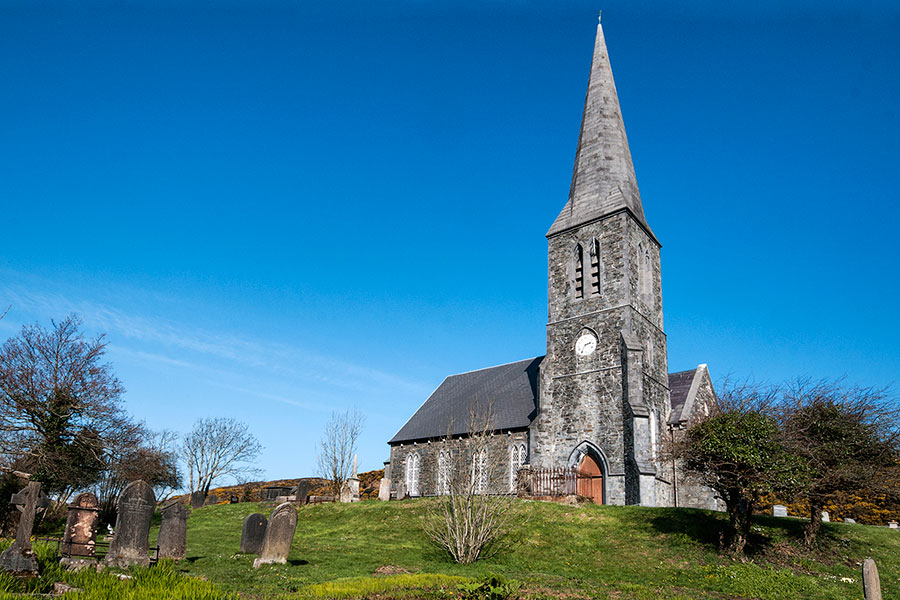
point(599, 16)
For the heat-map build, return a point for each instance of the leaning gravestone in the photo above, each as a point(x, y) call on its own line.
point(197, 499)
point(253, 533)
point(850, 521)
point(826, 518)
point(302, 492)
point(172, 539)
point(871, 581)
point(19, 558)
point(131, 542)
point(384, 489)
point(80, 538)
point(779, 510)
point(279, 535)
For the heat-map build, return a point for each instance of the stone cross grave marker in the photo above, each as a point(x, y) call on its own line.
point(871, 581)
point(779, 510)
point(302, 492)
point(131, 542)
point(197, 499)
point(279, 535)
point(80, 538)
point(172, 539)
point(253, 533)
point(19, 558)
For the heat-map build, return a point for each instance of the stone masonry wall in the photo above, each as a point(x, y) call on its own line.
point(499, 449)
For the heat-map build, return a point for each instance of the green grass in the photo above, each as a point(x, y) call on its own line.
point(558, 551)
point(583, 551)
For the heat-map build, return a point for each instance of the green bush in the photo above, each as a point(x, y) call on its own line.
point(490, 587)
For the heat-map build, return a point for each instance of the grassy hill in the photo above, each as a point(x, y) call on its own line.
point(559, 551)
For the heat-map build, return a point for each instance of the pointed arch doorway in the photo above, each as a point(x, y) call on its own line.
point(590, 479)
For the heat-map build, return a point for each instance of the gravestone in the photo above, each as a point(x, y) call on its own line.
point(234, 500)
point(871, 581)
point(197, 499)
point(401, 490)
point(346, 493)
point(779, 510)
point(302, 492)
point(172, 539)
point(19, 558)
point(826, 518)
point(253, 533)
point(131, 542)
point(212, 499)
point(80, 538)
point(850, 521)
point(892, 524)
point(279, 535)
point(353, 482)
point(384, 489)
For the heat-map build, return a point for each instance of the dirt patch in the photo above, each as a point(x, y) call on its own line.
point(390, 570)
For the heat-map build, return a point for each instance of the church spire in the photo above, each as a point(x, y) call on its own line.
point(603, 180)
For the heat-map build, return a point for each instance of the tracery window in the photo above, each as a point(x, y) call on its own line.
point(595, 267)
point(412, 474)
point(443, 474)
point(579, 271)
point(516, 460)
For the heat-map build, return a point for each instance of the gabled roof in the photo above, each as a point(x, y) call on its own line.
point(510, 390)
point(603, 180)
point(679, 388)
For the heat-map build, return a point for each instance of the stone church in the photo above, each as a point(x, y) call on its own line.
point(601, 402)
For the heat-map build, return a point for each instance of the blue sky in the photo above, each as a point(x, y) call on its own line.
point(275, 210)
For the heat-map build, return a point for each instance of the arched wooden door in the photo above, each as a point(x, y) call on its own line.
point(590, 479)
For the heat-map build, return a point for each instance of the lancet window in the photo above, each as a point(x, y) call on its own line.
point(516, 460)
point(443, 474)
point(480, 471)
point(412, 474)
point(595, 267)
point(579, 271)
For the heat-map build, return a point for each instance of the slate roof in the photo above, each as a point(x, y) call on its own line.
point(511, 390)
point(679, 386)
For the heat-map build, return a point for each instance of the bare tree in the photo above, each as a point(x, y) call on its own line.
point(471, 520)
point(216, 448)
point(60, 406)
point(338, 445)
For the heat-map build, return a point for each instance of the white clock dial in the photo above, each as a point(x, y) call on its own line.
point(585, 344)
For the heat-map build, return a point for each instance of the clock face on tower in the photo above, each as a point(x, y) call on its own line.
point(585, 344)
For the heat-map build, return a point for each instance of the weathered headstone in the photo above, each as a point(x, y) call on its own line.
point(346, 493)
point(279, 535)
point(80, 538)
point(131, 542)
point(401, 490)
point(197, 499)
point(19, 558)
point(172, 539)
point(892, 524)
point(871, 581)
point(354, 483)
point(212, 499)
point(302, 492)
point(826, 518)
point(384, 489)
point(253, 533)
point(779, 510)
point(850, 521)
point(234, 500)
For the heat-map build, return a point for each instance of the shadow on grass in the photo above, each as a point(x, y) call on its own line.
point(296, 562)
point(193, 559)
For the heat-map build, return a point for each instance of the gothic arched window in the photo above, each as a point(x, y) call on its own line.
point(480, 471)
point(595, 266)
point(443, 474)
point(412, 474)
point(516, 460)
point(579, 272)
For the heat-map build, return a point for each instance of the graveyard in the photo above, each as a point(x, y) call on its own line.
point(376, 549)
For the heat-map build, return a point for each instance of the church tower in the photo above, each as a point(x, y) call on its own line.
point(604, 399)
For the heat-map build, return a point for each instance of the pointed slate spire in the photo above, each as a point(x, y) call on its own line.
point(603, 180)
